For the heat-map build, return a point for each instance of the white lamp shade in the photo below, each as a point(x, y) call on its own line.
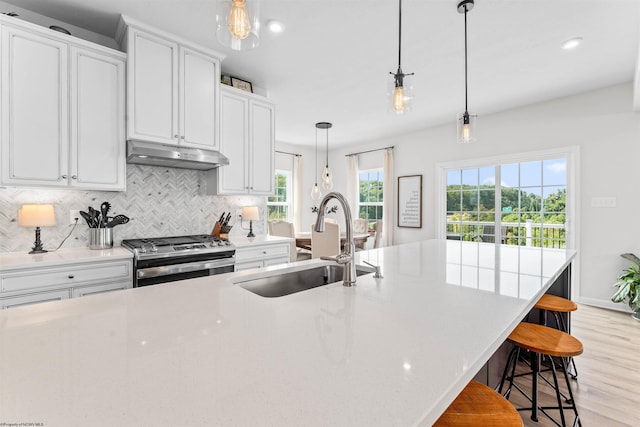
point(250, 213)
point(36, 215)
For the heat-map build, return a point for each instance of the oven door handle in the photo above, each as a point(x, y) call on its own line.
point(166, 270)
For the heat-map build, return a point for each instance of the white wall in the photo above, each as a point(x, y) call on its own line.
point(601, 123)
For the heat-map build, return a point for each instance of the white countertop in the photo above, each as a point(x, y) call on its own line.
point(391, 351)
point(263, 239)
point(18, 260)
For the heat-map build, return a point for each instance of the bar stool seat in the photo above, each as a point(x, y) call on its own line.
point(542, 341)
point(479, 405)
point(557, 305)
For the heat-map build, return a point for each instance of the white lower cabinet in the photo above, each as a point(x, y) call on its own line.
point(262, 255)
point(34, 285)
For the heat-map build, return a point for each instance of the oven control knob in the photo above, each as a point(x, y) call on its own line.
point(143, 250)
point(154, 248)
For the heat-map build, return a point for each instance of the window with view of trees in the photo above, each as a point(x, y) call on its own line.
point(527, 208)
point(371, 195)
point(279, 206)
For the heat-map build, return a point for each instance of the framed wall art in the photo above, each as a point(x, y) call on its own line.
point(410, 201)
point(241, 84)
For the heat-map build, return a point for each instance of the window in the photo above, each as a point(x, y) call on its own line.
point(528, 208)
point(371, 184)
point(279, 206)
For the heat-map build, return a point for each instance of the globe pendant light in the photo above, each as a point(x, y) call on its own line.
point(238, 23)
point(466, 120)
point(400, 95)
point(316, 194)
point(327, 177)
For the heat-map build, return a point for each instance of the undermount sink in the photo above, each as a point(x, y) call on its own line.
point(290, 282)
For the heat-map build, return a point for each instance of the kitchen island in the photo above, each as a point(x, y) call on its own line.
point(390, 351)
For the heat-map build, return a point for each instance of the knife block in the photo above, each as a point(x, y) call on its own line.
point(221, 231)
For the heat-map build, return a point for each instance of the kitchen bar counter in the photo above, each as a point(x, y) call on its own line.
point(390, 351)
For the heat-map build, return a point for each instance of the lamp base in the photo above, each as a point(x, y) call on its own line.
point(251, 230)
point(37, 245)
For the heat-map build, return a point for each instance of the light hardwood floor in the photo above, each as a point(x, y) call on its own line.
point(607, 390)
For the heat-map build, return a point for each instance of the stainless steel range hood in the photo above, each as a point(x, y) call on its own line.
point(147, 153)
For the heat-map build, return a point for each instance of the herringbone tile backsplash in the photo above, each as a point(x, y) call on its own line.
point(159, 201)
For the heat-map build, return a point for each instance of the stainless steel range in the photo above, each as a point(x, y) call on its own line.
point(167, 259)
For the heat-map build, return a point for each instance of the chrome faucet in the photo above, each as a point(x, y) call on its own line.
point(346, 258)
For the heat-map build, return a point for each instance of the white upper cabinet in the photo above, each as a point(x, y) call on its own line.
point(247, 138)
point(97, 120)
point(172, 95)
point(62, 110)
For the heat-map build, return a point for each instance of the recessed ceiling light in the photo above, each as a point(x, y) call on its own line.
point(275, 26)
point(572, 43)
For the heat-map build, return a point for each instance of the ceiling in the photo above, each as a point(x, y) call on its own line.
point(333, 60)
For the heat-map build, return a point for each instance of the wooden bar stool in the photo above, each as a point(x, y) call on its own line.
point(556, 306)
point(542, 341)
point(479, 405)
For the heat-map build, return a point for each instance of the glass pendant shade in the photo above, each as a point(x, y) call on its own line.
point(316, 194)
point(238, 23)
point(327, 179)
point(400, 97)
point(466, 127)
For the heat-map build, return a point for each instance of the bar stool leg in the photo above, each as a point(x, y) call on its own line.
point(535, 368)
point(563, 326)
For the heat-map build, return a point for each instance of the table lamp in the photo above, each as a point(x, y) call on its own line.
point(250, 213)
point(36, 215)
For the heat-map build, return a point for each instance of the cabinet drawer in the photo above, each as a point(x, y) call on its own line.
point(262, 252)
point(66, 276)
point(34, 298)
point(248, 265)
point(99, 289)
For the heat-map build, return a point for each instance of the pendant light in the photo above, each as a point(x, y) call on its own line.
point(466, 120)
point(327, 177)
point(401, 94)
point(238, 23)
point(316, 194)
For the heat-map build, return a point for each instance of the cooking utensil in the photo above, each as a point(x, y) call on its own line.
point(221, 220)
point(226, 220)
point(104, 210)
point(94, 217)
point(87, 218)
point(116, 220)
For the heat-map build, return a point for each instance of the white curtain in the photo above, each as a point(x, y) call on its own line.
point(353, 190)
point(297, 192)
point(387, 191)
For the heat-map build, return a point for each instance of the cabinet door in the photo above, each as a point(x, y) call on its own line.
point(152, 95)
point(34, 298)
point(99, 289)
point(34, 109)
point(97, 120)
point(262, 137)
point(199, 76)
point(234, 128)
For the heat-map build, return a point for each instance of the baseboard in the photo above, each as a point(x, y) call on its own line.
point(604, 304)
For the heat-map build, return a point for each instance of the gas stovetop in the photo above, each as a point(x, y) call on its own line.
point(157, 247)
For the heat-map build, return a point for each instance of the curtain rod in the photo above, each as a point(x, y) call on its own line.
point(369, 151)
point(291, 154)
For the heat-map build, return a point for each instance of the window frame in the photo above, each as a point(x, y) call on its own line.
point(289, 193)
point(374, 204)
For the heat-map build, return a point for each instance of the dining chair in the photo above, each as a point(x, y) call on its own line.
point(360, 225)
point(285, 229)
point(326, 243)
point(378, 242)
